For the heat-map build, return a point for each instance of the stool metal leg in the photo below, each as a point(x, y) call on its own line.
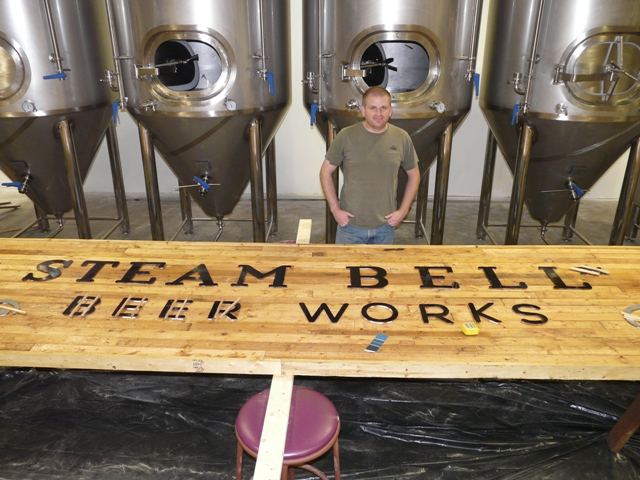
point(336, 460)
point(239, 455)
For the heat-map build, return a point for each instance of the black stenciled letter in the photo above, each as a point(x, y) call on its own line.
point(82, 306)
point(427, 278)
point(393, 310)
point(203, 276)
point(323, 308)
point(558, 283)
point(45, 267)
point(541, 318)
point(444, 311)
point(356, 277)
point(177, 306)
point(136, 270)
point(93, 271)
point(278, 272)
point(495, 281)
point(478, 314)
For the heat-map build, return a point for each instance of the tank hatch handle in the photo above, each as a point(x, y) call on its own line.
point(612, 73)
point(155, 69)
point(365, 69)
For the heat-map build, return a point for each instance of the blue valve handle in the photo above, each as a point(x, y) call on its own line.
point(13, 184)
point(516, 110)
point(202, 183)
point(272, 86)
point(314, 111)
point(476, 81)
point(577, 189)
point(55, 75)
point(114, 109)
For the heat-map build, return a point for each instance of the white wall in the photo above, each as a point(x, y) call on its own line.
point(300, 148)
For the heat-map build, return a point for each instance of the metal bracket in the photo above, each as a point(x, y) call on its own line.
point(346, 73)
point(145, 71)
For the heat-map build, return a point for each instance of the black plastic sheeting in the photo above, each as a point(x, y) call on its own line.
point(95, 425)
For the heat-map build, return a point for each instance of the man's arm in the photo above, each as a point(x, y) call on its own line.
point(410, 191)
point(329, 189)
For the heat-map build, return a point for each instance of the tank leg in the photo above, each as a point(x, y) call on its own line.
point(629, 185)
point(43, 220)
point(421, 206)
point(257, 191)
point(118, 180)
point(570, 222)
point(75, 179)
point(151, 182)
point(272, 188)
point(487, 185)
point(331, 226)
point(441, 187)
point(519, 181)
point(185, 211)
point(633, 228)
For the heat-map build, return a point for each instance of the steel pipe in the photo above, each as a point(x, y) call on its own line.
point(75, 179)
point(519, 181)
point(117, 178)
point(151, 182)
point(442, 186)
point(623, 212)
point(257, 191)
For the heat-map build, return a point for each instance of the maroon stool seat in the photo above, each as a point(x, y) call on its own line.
point(314, 426)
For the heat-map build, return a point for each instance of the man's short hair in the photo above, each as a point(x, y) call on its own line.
point(375, 92)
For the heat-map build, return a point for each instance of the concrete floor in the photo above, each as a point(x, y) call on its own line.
point(594, 221)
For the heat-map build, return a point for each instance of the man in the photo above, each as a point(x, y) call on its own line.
point(370, 153)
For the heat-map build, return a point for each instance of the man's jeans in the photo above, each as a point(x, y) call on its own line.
point(376, 236)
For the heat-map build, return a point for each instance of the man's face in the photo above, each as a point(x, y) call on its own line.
point(376, 113)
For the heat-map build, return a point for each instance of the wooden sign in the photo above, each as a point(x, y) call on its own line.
point(535, 312)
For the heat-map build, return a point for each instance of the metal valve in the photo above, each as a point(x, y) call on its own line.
point(353, 104)
point(439, 107)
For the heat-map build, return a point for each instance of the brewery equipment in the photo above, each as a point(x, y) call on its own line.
point(560, 91)
point(208, 84)
point(54, 109)
point(422, 51)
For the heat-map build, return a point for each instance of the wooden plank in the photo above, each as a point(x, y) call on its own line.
point(304, 232)
point(303, 308)
point(274, 430)
point(625, 427)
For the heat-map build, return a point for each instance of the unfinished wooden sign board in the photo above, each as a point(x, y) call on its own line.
point(286, 309)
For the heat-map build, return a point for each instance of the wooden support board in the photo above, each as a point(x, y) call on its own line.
point(584, 336)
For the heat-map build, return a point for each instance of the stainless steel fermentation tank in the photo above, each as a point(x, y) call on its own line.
point(422, 51)
point(561, 93)
point(208, 83)
point(54, 109)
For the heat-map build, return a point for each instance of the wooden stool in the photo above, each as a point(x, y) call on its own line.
point(314, 426)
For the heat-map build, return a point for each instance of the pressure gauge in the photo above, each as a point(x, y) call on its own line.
point(28, 106)
point(230, 104)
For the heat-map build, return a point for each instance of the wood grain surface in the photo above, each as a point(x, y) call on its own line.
point(578, 332)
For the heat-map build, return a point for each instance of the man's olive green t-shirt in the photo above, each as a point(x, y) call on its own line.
point(370, 163)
